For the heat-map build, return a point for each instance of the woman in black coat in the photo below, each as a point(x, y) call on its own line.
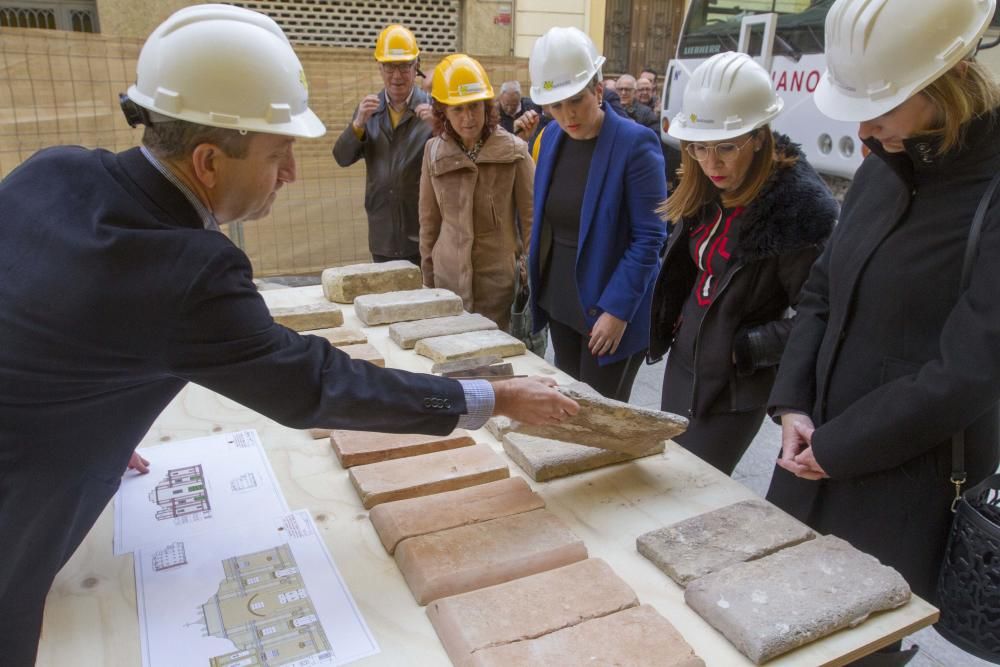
point(888, 358)
point(749, 223)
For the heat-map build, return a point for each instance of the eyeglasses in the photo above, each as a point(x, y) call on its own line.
point(402, 68)
point(726, 151)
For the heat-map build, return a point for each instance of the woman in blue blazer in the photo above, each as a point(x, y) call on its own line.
point(596, 242)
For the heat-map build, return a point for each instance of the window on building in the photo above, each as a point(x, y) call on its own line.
point(78, 16)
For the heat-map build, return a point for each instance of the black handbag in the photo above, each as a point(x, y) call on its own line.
point(969, 582)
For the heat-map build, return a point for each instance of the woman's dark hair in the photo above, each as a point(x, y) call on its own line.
point(442, 126)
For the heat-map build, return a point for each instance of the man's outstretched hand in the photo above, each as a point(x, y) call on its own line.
point(532, 400)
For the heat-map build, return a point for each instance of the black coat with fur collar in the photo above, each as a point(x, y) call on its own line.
point(781, 234)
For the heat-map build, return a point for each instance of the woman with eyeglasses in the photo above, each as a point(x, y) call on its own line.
point(749, 216)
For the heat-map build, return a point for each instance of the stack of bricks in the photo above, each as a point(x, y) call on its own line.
point(506, 581)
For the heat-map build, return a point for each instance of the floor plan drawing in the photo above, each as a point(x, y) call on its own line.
point(182, 495)
point(265, 593)
point(263, 607)
point(195, 486)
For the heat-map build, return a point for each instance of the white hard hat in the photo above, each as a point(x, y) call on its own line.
point(228, 67)
point(879, 53)
point(563, 61)
point(727, 95)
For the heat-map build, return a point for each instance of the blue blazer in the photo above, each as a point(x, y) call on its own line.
point(618, 255)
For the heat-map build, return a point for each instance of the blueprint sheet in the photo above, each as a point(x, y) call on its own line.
point(261, 594)
point(196, 486)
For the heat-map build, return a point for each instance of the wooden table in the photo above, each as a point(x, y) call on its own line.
point(90, 616)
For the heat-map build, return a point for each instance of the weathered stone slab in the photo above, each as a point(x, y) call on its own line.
point(426, 474)
point(609, 424)
point(466, 364)
point(637, 637)
point(545, 459)
point(345, 283)
point(714, 540)
point(308, 317)
point(471, 344)
point(467, 558)
point(418, 304)
point(527, 608)
point(497, 371)
point(498, 426)
point(769, 606)
point(402, 519)
point(361, 447)
point(339, 336)
point(365, 352)
point(406, 334)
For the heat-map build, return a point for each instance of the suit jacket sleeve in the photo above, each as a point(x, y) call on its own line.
point(348, 149)
point(430, 217)
point(226, 340)
point(919, 410)
point(645, 187)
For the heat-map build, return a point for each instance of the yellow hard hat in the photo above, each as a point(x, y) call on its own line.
point(396, 44)
point(460, 79)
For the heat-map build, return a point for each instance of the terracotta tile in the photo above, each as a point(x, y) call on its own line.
point(360, 447)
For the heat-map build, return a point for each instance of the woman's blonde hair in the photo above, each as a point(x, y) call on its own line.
point(964, 92)
point(695, 189)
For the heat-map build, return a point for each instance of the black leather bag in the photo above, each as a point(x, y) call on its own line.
point(969, 582)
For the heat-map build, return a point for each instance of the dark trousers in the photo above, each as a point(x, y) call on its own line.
point(720, 438)
point(573, 358)
point(379, 259)
point(45, 512)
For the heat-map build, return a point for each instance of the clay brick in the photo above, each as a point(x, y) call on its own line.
point(545, 459)
point(714, 540)
point(769, 606)
point(319, 433)
point(637, 637)
point(338, 336)
point(308, 317)
point(399, 520)
point(360, 447)
point(609, 424)
point(471, 344)
point(464, 559)
point(528, 607)
point(365, 352)
point(345, 283)
point(426, 474)
point(418, 304)
point(406, 334)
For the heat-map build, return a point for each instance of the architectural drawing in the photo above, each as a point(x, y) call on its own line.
point(243, 482)
point(173, 555)
point(181, 494)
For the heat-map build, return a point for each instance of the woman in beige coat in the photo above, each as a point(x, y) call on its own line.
point(475, 194)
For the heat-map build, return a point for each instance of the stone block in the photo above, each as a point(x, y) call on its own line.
point(466, 364)
point(609, 424)
point(339, 336)
point(527, 608)
point(637, 637)
point(406, 334)
point(361, 447)
point(320, 433)
point(402, 519)
point(714, 540)
point(418, 304)
point(365, 352)
point(467, 558)
point(772, 605)
point(345, 283)
point(545, 459)
point(308, 317)
point(426, 474)
point(471, 344)
point(498, 426)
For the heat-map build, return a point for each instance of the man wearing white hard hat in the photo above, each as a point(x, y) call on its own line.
point(596, 240)
point(890, 356)
point(750, 217)
point(119, 289)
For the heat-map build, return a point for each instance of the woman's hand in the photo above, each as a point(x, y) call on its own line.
point(796, 447)
point(137, 463)
point(606, 334)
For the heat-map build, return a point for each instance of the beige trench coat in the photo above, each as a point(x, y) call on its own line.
point(469, 213)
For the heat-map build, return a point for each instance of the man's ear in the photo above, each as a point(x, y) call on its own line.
point(205, 164)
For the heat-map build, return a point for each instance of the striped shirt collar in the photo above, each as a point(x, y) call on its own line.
point(207, 217)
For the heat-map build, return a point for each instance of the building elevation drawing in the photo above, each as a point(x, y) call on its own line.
point(181, 493)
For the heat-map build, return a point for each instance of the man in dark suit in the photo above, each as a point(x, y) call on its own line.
point(119, 289)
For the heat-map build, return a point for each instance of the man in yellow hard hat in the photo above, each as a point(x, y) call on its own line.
point(389, 130)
